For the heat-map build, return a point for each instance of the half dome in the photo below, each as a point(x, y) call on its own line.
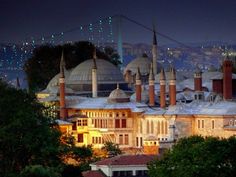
point(118, 96)
point(144, 65)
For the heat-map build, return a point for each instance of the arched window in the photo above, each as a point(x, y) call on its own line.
point(147, 127)
point(158, 127)
point(162, 127)
point(141, 127)
point(152, 127)
point(166, 127)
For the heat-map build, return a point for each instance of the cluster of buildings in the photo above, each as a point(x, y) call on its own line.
point(145, 108)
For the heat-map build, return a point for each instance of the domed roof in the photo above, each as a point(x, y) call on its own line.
point(106, 73)
point(118, 95)
point(144, 65)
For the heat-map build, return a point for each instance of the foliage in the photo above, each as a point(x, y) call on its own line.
point(197, 157)
point(44, 63)
point(71, 171)
point(26, 135)
point(111, 148)
point(81, 156)
point(38, 171)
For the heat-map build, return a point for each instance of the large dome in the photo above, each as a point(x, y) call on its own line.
point(144, 65)
point(106, 73)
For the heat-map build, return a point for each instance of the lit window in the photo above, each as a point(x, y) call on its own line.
point(202, 123)
point(126, 139)
point(120, 139)
point(123, 122)
point(80, 138)
point(213, 124)
point(198, 124)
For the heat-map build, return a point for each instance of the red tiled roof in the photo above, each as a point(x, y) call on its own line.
point(92, 174)
point(127, 160)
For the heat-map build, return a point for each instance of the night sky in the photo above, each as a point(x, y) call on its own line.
point(184, 20)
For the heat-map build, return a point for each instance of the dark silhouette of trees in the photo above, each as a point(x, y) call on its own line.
point(197, 157)
point(27, 136)
point(44, 63)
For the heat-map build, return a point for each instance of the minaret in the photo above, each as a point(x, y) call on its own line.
point(17, 82)
point(138, 83)
point(151, 87)
point(172, 87)
point(162, 89)
point(154, 53)
point(94, 75)
point(198, 79)
point(63, 111)
point(227, 78)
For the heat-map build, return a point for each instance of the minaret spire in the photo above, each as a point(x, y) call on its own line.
point(154, 52)
point(17, 82)
point(62, 65)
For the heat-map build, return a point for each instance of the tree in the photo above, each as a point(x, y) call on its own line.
point(197, 157)
point(44, 63)
point(112, 55)
point(38, 171)
point(111, 148)
point(27, 137)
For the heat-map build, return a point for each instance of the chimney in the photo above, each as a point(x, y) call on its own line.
point(162, 89)
point(94, 75)
point(227, 78)
point(154, 52)
point(172, 87)
point(198, 79)
point(63, 111)
point(138, 86)
point(151, 88)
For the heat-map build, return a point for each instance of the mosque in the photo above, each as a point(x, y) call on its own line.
point(164, 107)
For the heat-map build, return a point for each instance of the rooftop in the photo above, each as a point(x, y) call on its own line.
point(127, 160)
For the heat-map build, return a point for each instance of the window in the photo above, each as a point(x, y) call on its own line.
point(212, 124)
point(158, 127)
point(152, 127)
point(198, 124)
point(85, 122)
point(141, 141)
point(99, 140)
point(93, 141)
point(147, 127)
point(74, 127)
point(166, 128)
point(126, 139)
point(202, 123)
point(137, 141)
point(96, 124)
point(80, 138)
point(117, 123)
point(123, 123)
point(162, 127)
point(141, 127)
point(120, 139)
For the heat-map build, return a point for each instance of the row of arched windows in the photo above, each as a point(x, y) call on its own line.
point(155, 127)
